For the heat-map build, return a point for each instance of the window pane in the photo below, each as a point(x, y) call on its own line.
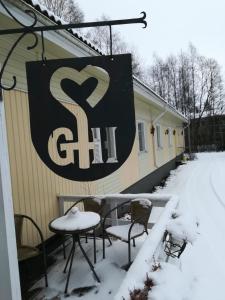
point(170, 137)
point(97, 145)
point(141, 136)
point(158, 132)
point(111, 144)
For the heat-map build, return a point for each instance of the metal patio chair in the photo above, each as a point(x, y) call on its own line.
point(94, 205)
point(26, 252)
point(139, 210)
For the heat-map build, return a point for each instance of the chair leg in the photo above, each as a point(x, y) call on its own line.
point(45, 266)
point(129, 253)
point(88, 260)
point(103, 243)
point(134, 244)
point(108, 238)
point(64, 247)
point(71, 251)
point(71, 262)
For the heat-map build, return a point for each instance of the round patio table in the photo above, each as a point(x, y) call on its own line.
point(75, 223)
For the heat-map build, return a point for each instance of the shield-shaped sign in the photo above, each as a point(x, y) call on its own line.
point(82, 114)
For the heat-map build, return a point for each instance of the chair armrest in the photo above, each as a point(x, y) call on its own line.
point(77, 202)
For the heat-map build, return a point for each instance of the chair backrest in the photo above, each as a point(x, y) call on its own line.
point(90, 204)
point(93, 204)
point(140, 210)
point(18, 228)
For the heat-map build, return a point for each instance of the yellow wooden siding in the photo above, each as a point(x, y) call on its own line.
point(35, 187)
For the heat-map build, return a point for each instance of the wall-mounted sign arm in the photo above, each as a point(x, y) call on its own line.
point(33, 29)
point(8, 88)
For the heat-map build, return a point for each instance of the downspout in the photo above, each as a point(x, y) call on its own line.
point(189, 135)
point(189, 140)
point(153, 138)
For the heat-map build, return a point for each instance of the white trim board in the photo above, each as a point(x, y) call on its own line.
point(9, 278)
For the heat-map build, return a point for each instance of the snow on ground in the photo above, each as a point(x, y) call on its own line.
point(109, 270)
point(200, 185)
point(200, 272)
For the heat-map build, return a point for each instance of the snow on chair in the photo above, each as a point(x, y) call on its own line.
point(140, 209)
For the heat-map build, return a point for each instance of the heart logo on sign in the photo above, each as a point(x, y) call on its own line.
point(80, 77)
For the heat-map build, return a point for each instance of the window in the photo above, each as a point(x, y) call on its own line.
point(97, 146)
point(111, 144)
point(170, 142)
point(158, 136)
point(141, 136)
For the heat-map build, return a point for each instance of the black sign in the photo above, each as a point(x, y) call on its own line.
point(93, 138)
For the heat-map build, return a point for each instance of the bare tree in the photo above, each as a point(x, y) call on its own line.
point(190, 82)
point(100, 37)
point(68, 10)
point(193, 84)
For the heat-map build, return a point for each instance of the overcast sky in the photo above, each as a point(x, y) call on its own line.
point(172, 25)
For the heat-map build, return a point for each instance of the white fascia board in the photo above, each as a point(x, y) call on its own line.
point(68, 40)
point(153, 98)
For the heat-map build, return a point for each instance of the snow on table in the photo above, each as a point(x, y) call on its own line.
point(76, 220)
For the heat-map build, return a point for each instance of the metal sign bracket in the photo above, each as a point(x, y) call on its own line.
point(33, 29)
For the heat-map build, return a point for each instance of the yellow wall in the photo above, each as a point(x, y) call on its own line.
point(35, 187)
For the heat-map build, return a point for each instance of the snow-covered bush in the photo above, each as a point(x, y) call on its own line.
point(183, 227)
point(166, 281)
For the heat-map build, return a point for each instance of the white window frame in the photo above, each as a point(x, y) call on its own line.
point(159, 136)
point(142, 147)
point(96, 134)
point(111, 144)
point(170, 140)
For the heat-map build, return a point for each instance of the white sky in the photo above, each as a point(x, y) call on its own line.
point(172, 25)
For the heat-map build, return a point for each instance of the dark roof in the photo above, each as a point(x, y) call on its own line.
point(57, 20)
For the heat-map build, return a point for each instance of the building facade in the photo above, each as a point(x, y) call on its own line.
point(159, 128)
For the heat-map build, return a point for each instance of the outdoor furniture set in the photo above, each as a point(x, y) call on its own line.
point(93, 218)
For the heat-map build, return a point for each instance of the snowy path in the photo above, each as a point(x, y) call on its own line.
point(201, 187)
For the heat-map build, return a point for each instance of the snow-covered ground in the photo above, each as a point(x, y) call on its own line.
point(109, 270)
point(200, 272)
point(200, 185)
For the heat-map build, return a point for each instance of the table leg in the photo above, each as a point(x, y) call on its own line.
point(94, 238)
point(87, 259)
point(71, 262)
point(64, 271)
